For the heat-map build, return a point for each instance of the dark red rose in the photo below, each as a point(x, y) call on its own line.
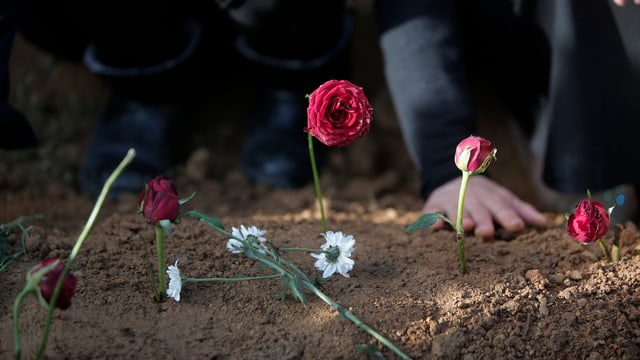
point(338, 113)
point(48, 283)
point(159, 200)
point(589, 223)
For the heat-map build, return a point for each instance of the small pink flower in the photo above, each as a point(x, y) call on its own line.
point(338, 113)
point(589, 223)
point(48, 283)
point(159, 200)
point(474, 154)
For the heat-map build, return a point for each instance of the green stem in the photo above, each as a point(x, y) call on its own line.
point(274, 265)
point(617, 241)
point(603, 246)
point(16, 314)
point(22, 219)
point(316, 182)
point(236, 279)
point(76, 249)
point(616, 253)
point(213, 224)
point(162, 283)
point(284, 271)
point(98, 206)
point(301, 249)
point(351, 316)
point(459, 229)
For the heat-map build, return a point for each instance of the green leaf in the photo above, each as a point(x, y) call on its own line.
point(342, 311)
point(166, 226)
point(6, 230)
point(209, 220)
point(283, 290)
point(262, 266)
point(370, 349)
point(248, 250)
point(184, 201)
point(425, 220)
point(297, 289)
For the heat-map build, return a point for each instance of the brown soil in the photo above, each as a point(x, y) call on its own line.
point(536, 295)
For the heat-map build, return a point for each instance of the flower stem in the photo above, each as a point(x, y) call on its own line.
point(16, 313)
point(235, 279)
point(351, 316)
point(76, 249)
point(459, 229)
point(603, 246)
point(290, 270)
point(301, 249)
point(98, 206)
point(20, 220)
point(616, 253)
point(316, 182)
point(617, 240)
point(162, 284)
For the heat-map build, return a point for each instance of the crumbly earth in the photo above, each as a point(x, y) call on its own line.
point(533, 295)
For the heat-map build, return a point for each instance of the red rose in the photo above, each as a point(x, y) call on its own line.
point(159, 200)
point(474, 154)
point(48, 283)
point(589, 223)
point(338, 113)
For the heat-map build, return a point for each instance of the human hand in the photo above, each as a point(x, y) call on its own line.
point(624, 2)
point(485, 202)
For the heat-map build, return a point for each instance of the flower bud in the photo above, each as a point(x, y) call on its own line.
point(159, 200)
point(47, 283)
point(474, 154)
point(589, 222)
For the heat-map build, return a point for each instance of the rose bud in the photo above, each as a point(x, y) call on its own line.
point(48, 283)
point(159, 200)
point(589, 222)
point(474, 154)
point(338, 113)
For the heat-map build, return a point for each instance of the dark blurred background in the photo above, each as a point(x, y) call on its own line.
point(62, 101)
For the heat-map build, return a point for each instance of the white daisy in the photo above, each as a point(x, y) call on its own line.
point(175, 282)
point(244, 233)
point(335, 255)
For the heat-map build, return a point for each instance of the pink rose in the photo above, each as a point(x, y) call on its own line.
point(474, 154)
point(589, 223)
point(159, 200)
point(48, 283)
point(338, 113)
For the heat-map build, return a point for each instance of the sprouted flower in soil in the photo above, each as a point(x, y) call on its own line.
point(473, 156)
point(590, 222)
point(160, 206)
point(338, 114)
point(52, 281)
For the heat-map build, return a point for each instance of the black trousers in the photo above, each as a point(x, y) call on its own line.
point(145, 33)
point(592, 110)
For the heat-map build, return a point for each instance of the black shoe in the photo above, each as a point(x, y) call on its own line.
point(276, 149)
point(15, 131)
point(148, 128)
